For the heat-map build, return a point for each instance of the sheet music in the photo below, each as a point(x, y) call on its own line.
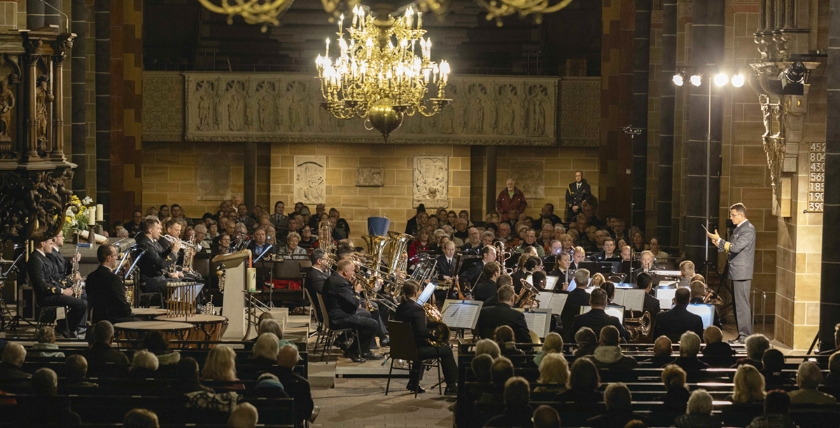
point(461, 313)
point(530, 279)
point(550, 282)
point(545, 298)
point(558, 301)
point(538, 320)
point(706, 312)
point(666, 297)
point(632, 299)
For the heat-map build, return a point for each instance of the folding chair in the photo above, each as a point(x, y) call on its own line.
point(332, 333)
point(403, 347)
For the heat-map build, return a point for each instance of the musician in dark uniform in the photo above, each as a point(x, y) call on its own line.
point(645, 282)
point(575, 194)
point(412, 313)
point(597, 318)
point(106, 290)
point(445, 270)
point(473, 274)
point(64, 274)
point(503, 314)
point(155, 262)
point(486, 288)
point(341, 300)
point(577, 297)
point(49, 292)
point(678, 320)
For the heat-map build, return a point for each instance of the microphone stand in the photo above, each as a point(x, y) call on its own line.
point(14, 322)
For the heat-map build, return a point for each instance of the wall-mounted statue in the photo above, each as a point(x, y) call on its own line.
point(7, 103)
point(42, 97)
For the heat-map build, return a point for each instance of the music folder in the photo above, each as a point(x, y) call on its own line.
point(538, 320)
point(461, 313)
point(427, 293)
point(631, 299)
point(551, 282)
point(666, 297)
point(706, 312)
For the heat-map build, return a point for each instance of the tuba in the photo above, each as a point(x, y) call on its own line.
point(440, 331)
point(527, 297)
point(396, 247)
point(639, 329)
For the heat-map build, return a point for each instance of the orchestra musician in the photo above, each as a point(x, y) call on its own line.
point(341, 300)
point(502, 313)
point(473, 274)
point(64, 272)
point(105, 289)
point(532, 264)
point(409, 311)
point(316, 276)
point(154, 265)
point(578, 256)
point(575, 195)
point(486, 289)
point(446, 262)
point(562, 269)
point(49, 292)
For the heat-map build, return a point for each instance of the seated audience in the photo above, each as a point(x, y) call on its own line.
point(12, 377)
point(596, 318)
point(264, 352)
point(46, 346)
point(487, 346)
point(517, 411)
point(221, 365)
point(101, 352)
point(748, 385)
point(676, 397)
point(584, 382)
point(554, 374)
point(833, 378)
point(295, 385)
point(243, 416)
point(688, 361)
point(45, 386)
point(699, 412)
point(776, 407)
point(678, 320)
point(157, 344)
point(586, 342)
point(716, 349)
point(755, 346)
point(773, 362)
point(619, 408)
point(504, 338)
point(500, 372)
point(140, 418)
point(187, 378)
point(546, 417)
point(143, 365)
point(808, 378)
point(609, 356)
point(75, 372)
point(662, 348)
point(553, 344)
point(480, 366)
point(503, 314)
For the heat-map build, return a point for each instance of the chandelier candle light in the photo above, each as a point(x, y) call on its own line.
point(383, 71)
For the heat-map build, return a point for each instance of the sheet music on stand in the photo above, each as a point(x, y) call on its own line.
point(631, 299)
point(538, 320)
point(557, 302)
point(461, 313)
point(666, 297)
point(551, 282)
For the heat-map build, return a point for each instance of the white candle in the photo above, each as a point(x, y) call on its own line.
point(92, 216)
point(100, 212)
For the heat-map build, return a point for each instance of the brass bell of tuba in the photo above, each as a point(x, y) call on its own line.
point(440, 331)
point(639, 329)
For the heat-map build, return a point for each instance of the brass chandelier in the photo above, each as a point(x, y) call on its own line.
point(261, 12)
point(383, 71)
point(497, 9)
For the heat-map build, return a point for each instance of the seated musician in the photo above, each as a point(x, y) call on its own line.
point(446, 263)
point(486, 288)
point(596, 318)
point(473, 274)
point(562, 270)
point(577, 297)
point(155, 263)
point(412, 313)
point(678, 320)
point(648, 261)
point(645, 282)
point(259, 245)
point(531, 265)
point(626, 253)
point(341, 300)
point(503, 314)
point(316, 277)
point(292, 248)
point(49, 292)
point(64, 273)
point(105, 289)
point(609, 253)
point(686, 273)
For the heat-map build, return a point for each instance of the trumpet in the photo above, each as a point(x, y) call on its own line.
point(181, 243)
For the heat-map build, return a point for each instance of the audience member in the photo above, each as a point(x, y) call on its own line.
point(755, 346)
point(295, 385)
point(619, 408)
point(748, 385)
point(716, 348)
point(140, 418)
point(487, 346)
point(699, 412)
point(101, 352)
point(75, 372)
point(808, 378)
point(58, 412)
point(500, 372)
point(221, 365)
point(46, 346)
point(676, 397)
point(609, 356)
point(688, 361)
point(678, 320)
point(243, 416)
point(504, 338)
point(662, 347)
point(480, 366)
point(546, 417)
point(517, 412)
point(554, 374)
point(776, 407)
point(157, 344)
point(268, 386)
point(773, 362)
point(187, 378)
point(833, 378)
point(597, 318)
point(586, 342)
point(552, 344)
point(584, 382)
point(144, 364)
point(264, 352)
point(12, 377)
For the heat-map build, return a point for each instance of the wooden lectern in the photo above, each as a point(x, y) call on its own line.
point(236, 282)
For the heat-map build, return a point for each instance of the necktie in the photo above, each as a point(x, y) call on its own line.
point(578, 186)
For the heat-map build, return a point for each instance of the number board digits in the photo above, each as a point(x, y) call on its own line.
point(816, 178)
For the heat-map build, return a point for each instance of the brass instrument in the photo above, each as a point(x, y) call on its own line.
point(129, 292)
point(502, 256)
point(527, 297)
point(222, 270)
point(325, 241)
point(440, 331)
point(396, 248)
point(189, 254)
point(77, 285)
point(639, 329)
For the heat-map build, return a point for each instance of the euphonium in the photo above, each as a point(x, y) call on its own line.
point(440, 331)
point(638, 328)
point(527, 296)
point(502, 256)
point(376, 249)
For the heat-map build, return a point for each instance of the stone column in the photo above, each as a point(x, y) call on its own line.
point(641, 75)
point(78, 115)
point(250, 152)
point(30, 146)
point(35, 14)
point(61, 48)
point(829, 291)
point(667, 111)
point(491, 157)
point(103, 104)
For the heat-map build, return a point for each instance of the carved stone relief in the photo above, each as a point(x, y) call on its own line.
point(369, 177)
point(431, 181)
point(212, 177)
point(530, 177)
point(163, 106)
point(580, 111)
point(310, 179)
point(9, 81)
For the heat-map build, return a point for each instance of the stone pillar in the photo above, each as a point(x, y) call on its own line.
point(707, 43)
point(667, 111)
point(641, 75)
point(35, 14)
point(490, 180)
point(103, 104)
point(829, 292)
point(78, 69)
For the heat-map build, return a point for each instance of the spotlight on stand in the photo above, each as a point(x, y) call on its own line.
point(737, 80)
point(696, 79)
point(678, 79)
point(793, 79)
point(721, 79)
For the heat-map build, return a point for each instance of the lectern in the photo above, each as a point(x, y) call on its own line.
point(235, 280)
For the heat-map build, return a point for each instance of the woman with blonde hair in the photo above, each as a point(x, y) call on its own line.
point(220, 365)
point(554, 372)
point(676, 394)
point(553, 345)
point(748, 386)
point(266, 349)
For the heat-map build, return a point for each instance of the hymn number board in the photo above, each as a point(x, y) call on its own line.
point(816, 177)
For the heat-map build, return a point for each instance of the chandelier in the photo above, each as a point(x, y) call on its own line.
point(262, 12)
point(383, 71)
point(496, 9)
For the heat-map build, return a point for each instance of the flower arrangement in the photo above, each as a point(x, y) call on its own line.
point(76, 216)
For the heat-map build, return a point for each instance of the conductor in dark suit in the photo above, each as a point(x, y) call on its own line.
point(155, 262)
point(106, 293)
point(575, 194)
point(503, 314)
point(410, 312)
point(678, 320)
point(741, 257)
point(577, 298)
point(48, 292)
point(596, 318)
point(645, 282)
point(341, 302)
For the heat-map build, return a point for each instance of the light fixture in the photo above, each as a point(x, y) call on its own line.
point(264, 12)
point(737, 80)
point(721, 79)
point(696, 79)
point(497, 9)
point(678, 79)
point(378, 74)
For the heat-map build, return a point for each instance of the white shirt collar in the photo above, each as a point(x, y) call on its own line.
point(40, 251)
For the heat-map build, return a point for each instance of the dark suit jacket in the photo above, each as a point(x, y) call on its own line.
point(445, 268)
point(502, 314)
point(315, 280)
point(156, 260)
point(652, 305)
point(517, 283)
point(677, 321)
point(596, 319)
point(298, 388)
point(42, 276)
point(484, 290)
point(106, 295)
point(577, 298)
point(58, 261)
point(575, 195)
point(339, 298)
point(101, 353)
point(602, 257)
point(411, 313)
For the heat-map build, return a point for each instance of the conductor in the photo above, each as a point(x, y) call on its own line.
point(741, 250)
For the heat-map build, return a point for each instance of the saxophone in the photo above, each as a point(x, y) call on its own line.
point(78, 285)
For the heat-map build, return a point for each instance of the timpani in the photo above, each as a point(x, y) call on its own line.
point(208, 328)
point(147, 314)
point(137, 330)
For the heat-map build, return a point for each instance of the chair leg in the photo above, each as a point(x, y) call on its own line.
point(358, 342)
point(388, 385)
point(416, 385)
point(440, 389)
point(327, 346)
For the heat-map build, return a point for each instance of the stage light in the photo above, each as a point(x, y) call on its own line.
point(696, 79)
point(678, 79)
point(738, 80)
point(721, 79)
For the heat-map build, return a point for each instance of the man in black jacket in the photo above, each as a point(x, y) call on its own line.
point(105, 290)
point(575, 194)
point(155, 262)
point(577, 298)
point(295, 385)
point(412, 313)
point(486, 289)
point(596, 318)
point(678, 320)
point(341, 302)
point(101, 352)
point(48, 292)
point(316, 277)
point(503, 314)
point(609, 254)
point(645, 282)
point(471, 276)
point(446, 263)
